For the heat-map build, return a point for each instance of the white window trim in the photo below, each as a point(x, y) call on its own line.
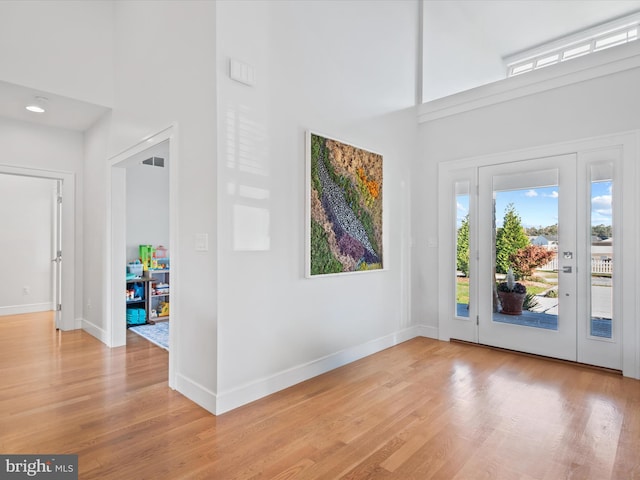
point(588, 42)
point(580, 37)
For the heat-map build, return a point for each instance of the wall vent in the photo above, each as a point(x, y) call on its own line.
point(154, 162)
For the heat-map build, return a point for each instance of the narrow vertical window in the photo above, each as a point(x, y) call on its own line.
point(602, 261)
point(462, 249)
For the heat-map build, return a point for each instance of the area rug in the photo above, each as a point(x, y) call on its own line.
point(158, 333)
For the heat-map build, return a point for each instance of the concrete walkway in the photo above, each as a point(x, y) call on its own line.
point(545, 315)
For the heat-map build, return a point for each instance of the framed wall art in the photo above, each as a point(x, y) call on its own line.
point(344, 207)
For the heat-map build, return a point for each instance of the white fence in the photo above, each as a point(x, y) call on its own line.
point(597, 265)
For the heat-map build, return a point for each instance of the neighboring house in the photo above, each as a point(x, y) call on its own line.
point(550, 243)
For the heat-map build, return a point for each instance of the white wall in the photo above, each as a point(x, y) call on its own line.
point(149, 96)
point(591, 108)
point(94, 260)
point(345, 69)
point(26, 244)
point(64, 47)
point(45, 148)
point(147, 207)
point(457, 55)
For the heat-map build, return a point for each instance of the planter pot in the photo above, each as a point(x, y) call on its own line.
point(511, 302)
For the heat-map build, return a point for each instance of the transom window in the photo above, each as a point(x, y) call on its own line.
point(592, 40)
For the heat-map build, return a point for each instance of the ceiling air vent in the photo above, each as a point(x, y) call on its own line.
point(154, 162)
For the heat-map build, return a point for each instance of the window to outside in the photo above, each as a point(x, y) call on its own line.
point(594, 40)
point(462, 249)
point(602, 262)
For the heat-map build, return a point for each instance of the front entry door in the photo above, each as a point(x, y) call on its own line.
point(513, 196)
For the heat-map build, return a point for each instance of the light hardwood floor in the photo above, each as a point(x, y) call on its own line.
point(422, 410)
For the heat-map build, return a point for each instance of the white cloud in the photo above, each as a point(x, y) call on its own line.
point(553, 194)
point(601, 209)
point(461, 208)
point(531, 193)
point(602, 201)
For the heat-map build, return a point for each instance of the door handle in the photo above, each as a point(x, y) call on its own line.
point(567, 269)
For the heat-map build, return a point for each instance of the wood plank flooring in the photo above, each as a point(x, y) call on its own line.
point(422, 410)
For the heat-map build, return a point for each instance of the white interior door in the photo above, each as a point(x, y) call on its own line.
point(538, 192)
point(57, 255)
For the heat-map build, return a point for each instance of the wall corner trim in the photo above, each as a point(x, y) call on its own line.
point(94, 330)
point(428, 331)
point(197, 393)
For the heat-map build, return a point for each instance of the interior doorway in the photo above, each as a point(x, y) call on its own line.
point(38, 226)
point(141, 161)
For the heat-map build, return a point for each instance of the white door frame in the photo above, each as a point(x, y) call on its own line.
point(67, 274)
point(116, 243)
point(628, 248)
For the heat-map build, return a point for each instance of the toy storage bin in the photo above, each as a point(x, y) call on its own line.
point(136, 316)
point(135, 269)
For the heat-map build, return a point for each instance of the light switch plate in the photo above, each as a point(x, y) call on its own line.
point(202, 242)
point(242, 72)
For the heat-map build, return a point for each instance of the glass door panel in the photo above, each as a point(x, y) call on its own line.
point(601, 267)
point(457, 241)
point(601, 246)
point(527, 259)
point(462, 250)
point(526, 233)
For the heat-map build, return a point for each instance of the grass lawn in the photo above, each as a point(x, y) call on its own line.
point(462, 289)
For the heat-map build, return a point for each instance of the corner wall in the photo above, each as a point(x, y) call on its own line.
point(346, 70)
point(165, 64)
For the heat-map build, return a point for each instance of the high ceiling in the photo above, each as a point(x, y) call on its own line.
point(509, 26)
point(516, 25)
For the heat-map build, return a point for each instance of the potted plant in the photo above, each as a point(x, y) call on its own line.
point(511, 295)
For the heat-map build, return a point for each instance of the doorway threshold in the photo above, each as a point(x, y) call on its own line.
point(612, 371)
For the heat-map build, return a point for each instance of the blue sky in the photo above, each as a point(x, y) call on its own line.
point(538, 207)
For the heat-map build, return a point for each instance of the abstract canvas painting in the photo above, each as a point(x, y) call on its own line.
point(344, 207)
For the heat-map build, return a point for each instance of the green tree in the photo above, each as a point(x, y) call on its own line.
point(550, 231)
point(509, 239)
point(462, 254)
point(602, 231)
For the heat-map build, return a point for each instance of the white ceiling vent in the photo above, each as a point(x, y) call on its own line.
point(154, 162)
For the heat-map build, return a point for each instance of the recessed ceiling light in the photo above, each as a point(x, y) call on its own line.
point(38, 105)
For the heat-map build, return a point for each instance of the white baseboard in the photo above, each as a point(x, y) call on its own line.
point(196, 393)
point(94, 330)
point(266, 386)
point(427, 331)
point(30, 308)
